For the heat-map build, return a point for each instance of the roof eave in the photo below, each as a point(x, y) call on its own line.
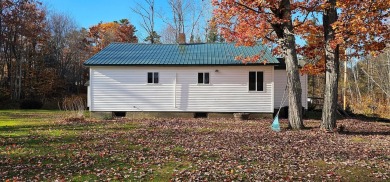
point(251, 64)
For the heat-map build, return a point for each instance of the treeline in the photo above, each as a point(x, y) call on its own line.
point(367, 88)
point(42, 55)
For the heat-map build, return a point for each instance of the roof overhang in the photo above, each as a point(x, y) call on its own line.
point(186, 65)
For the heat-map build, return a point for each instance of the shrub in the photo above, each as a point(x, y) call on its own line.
point(75, 104)
point(371, 107)
point(31, 104)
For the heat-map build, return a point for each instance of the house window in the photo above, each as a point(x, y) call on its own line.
point(203, 78)
point(256, 81)
point(152, 77)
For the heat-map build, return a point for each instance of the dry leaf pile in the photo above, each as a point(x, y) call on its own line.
point(195, 150)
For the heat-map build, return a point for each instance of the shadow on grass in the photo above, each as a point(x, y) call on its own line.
point(365, 133)
point(371, 118)
point(317, 114)
point(45, 127)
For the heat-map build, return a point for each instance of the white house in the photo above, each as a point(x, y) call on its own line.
point(186, 78)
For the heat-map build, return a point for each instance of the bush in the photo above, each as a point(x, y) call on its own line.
point(371, 107)
point(31, 104)
point(75, 104)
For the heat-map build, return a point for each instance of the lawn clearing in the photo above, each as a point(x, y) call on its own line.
point(40, 145)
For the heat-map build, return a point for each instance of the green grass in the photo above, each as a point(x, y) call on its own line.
point(165, 172)
point(352, 173)
point(358, 140)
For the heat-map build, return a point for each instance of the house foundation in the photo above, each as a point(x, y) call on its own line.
point(185, 115)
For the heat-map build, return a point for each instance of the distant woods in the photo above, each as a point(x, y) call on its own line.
point(42, 54)
point(368, 85)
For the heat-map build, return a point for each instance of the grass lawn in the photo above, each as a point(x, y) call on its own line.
point(42, 146)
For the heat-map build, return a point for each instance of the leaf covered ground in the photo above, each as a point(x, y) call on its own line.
point(40, 146)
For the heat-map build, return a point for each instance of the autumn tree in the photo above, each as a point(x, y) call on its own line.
point(359, 26)
point(105, 33)
point(362, 27)
point(269, 21)
point(23, 36)
point(41, 55)
point(331, 66)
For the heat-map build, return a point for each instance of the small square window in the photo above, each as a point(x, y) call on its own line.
point(256, 81)
point(152, 77)
point(204, 78)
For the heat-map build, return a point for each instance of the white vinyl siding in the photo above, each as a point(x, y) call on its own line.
point(124, 89)
point(280, 85)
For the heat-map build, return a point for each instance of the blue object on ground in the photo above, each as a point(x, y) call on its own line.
point(275, 125)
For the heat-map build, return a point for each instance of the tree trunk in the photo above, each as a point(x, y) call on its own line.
point(332, 69)
point(293, 82)
point(388, 72)
point(293, 85)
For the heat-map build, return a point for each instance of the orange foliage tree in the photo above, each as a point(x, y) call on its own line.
point(360, 26)
point(103, 34)
point(269, 21)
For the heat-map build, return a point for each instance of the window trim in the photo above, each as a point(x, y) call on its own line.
point(153, 78)
point(204, 78)
point(264, 85)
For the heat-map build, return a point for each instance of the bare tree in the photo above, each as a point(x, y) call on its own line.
point(60, 26)
point(355, 78)
point(178, 7)
point(147, 12)
point(189, 17)
point(196, 14)
point(168, 35)
point(388, 74)
point(67, 51)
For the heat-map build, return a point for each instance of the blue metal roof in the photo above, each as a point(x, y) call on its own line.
point(176, 54)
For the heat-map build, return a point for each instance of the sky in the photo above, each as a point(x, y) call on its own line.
point(87, 13)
